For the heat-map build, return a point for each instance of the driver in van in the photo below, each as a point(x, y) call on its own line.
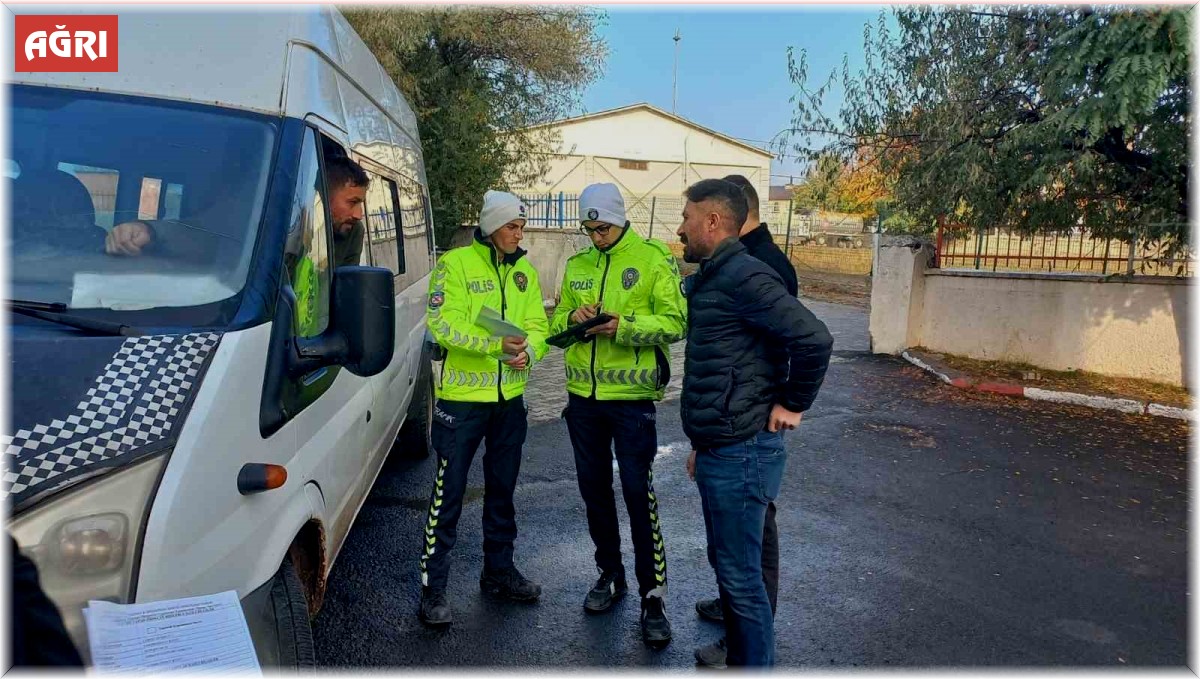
point(348, 190)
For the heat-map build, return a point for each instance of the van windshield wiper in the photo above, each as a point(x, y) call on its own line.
point(56, 312)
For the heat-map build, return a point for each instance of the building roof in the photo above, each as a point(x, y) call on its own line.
point(780, 193)
point(654, 109)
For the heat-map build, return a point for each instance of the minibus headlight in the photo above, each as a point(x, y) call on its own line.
point(92, 544)
point(85, 540)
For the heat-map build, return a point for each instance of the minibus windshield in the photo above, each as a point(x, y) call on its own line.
point(132, 204)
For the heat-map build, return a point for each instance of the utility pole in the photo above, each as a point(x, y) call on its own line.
point(675, 72)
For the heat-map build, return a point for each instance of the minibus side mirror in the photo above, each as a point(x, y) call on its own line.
point(362, 330)
point(364, 312)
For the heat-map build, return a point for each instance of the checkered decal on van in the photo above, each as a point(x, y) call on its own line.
point(134, 403)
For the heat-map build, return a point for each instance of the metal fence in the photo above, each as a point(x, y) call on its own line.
point(1075, 251)
point(659, 217)
point(560, 210)
point(652, 217)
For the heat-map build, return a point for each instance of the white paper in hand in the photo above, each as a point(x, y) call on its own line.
point(489, 319)
point(196, 634)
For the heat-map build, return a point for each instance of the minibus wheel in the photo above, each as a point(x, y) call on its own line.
point(292, 625)
point(415, 440)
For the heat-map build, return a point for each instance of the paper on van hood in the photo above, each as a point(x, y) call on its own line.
point(82, 405)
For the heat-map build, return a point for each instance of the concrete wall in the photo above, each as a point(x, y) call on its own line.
point(1121, 327)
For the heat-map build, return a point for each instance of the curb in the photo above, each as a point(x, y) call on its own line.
point(1125, 405)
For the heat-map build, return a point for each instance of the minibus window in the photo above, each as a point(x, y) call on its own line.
point(306, 253)
point(133, 204)
point(381, 223)
point(149, 198)
point(101, 184)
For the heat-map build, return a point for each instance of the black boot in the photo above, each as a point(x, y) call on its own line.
point(656, 629)
point(610, 587)
point(712, 655)
point(710, 609)
point(434, 610)
point(508, 583)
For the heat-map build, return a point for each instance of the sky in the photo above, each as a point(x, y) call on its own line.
point(733, 75)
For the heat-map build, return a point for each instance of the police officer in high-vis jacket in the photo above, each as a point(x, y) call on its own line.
point(613, 380)
point(479, 395)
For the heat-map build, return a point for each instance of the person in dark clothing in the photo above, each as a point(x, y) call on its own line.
point(757, 238)
point(759, 242)
point(347, 183)
point(737, 401)
point(39, 638)
point(347, 199)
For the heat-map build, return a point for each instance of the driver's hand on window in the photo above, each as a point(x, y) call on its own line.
point(128, 239)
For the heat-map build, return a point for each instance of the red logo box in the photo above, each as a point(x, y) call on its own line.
point(69, 43)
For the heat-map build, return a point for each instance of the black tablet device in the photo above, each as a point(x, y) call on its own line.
point(575, 333)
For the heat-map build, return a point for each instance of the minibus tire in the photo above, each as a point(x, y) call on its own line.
point(415, 440)
point(293, 629)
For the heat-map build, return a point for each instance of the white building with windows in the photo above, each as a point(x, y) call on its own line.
point(651, 155)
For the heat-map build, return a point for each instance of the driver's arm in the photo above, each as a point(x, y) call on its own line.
point(129, 239)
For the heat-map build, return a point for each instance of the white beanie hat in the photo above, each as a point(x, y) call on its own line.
point(499, 208)
point(602, 203)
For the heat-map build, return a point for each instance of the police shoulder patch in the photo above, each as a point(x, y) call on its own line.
point(437, 299)
point(630, 277)
point(521, 280)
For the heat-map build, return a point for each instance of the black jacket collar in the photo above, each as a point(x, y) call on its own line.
point(758, 237)
point(725, 249)
point(508, 259)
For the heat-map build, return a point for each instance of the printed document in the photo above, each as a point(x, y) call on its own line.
point(205, 634)
point(489, 319)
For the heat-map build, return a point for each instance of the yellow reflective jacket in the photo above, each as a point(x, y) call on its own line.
point(638, 281)
point(465, 280)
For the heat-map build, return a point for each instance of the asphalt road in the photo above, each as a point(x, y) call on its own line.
point(921, 526)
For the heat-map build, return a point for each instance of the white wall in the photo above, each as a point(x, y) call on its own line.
point(677, 155)
point(1112, 328)
point(1120, 327)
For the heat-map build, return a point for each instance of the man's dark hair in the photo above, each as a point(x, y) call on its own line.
point(341, 170)
point(728, 194)
point(747, 188)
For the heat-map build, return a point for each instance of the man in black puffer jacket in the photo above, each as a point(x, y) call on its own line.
point(737, 401)
point(760, 244)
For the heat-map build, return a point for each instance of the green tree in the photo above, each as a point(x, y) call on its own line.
point(1031, 118)
point(477, 80)
point(819, 189)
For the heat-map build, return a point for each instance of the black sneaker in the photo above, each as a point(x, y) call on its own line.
point(509, 584)
point(434, 610)
point(710, 609)
point(656, 629)
point(712, 655)
point(607, 590)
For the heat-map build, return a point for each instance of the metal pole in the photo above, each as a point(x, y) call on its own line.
point(675, 71)
point(787, 239)
point(560, 209)
point(1132, 247)
point(653, 203)
point(937, 250)
point(878, 237)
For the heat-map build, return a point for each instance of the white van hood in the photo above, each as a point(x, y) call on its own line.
point(84, 405)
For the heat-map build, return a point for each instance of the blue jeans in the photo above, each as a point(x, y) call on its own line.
point(736, 483)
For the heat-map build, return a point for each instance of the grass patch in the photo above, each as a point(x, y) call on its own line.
point(1068, 380)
